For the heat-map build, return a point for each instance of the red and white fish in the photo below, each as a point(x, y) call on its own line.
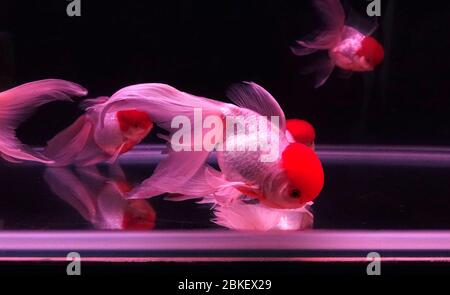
point(349, 48)
point(19, 103)
point(83, 144)
point(99, 199)
point(294, 178)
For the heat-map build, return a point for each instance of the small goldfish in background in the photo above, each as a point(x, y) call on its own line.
point(292, 180)
point(19, 103)
point(83, 144)
point(348, 47)
point(99, 199)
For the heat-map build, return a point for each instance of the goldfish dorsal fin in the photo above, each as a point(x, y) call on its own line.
point(254, 97)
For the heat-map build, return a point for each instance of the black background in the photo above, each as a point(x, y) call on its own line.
point(203, 46)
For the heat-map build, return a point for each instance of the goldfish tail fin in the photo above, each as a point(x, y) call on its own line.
point(365, 25)
point(162, 103)
point(64, 148)
point(90, 102)
point(18, 103)
point(333, 15)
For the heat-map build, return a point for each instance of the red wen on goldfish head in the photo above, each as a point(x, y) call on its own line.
point(304, 171)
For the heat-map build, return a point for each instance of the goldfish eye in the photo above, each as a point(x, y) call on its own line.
point(295, 194)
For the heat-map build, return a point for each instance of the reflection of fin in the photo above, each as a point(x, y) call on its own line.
point(68, 187)
point(18, 103)
point(64, 148)
point(333, 16)
point(254, 97)
point(116, 154)
point(241, 216)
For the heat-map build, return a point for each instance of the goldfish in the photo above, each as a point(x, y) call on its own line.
point(348, 47)
point(291, 179)
point(83, 144)
point(99, 199)
point(19, 103)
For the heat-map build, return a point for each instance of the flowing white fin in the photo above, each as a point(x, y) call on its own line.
point(254, 97)
point(163, 103)
point(172, 175)
point(87, 103)
point(64, 148)
point(333, 16)
point(18, 103)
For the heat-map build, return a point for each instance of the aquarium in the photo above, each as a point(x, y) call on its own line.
point(116, 145)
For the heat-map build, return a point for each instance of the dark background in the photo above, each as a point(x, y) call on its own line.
point(203, 46)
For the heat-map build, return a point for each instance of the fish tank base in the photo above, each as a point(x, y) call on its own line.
point(375, 200)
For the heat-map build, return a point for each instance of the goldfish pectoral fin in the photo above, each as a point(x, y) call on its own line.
point(254, 97)
point(250, 191)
